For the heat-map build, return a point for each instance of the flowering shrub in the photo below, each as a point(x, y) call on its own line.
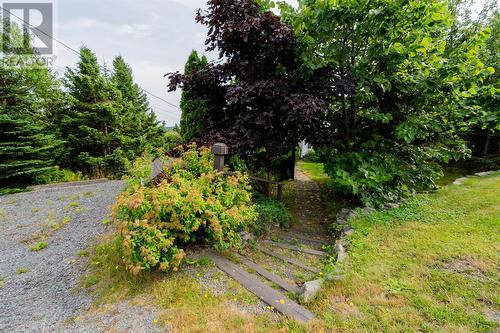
point(194, 204)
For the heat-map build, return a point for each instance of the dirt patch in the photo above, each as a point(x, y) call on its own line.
point(345, 308)
point(466, 266)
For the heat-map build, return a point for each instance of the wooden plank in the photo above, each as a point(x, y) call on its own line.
point(268, 275)
point(298, 249)
point(267, 294)
point(319, 240)
point(289, 260)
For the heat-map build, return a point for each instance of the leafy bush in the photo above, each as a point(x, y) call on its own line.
point(171, 139)
point(271, 213)
point(58, 175)
point(313, 156)
point(139, 171)
point(376, 177)
point(477, 164)
point(194, 204)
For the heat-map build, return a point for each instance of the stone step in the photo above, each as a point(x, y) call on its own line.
point(268, 275)
point(289, 260)
point(267, 294)
point(298, 249)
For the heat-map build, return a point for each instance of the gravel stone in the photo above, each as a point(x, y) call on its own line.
point(47, 296)
point(121, 317)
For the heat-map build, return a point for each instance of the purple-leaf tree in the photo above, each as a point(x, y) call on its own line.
point(257, 99)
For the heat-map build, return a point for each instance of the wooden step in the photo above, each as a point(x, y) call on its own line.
point(298, 249)
point(268, 275)
point(318, 241)
point(289, 260)
point(267, 294)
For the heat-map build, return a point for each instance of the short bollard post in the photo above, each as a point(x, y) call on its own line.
point(220, 150)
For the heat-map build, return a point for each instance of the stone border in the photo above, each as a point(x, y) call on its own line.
point(460, 181)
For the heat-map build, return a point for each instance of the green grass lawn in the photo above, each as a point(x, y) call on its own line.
point(313, 170)
point(429, 266)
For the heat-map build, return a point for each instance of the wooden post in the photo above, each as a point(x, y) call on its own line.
point(279, 196)
point(220, 150)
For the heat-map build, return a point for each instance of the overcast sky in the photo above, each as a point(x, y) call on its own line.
point(154, 36)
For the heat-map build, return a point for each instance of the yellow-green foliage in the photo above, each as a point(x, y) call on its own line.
point(38, 246)
point(194, 204)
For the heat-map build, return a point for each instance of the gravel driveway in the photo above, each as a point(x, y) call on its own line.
point(39, 289)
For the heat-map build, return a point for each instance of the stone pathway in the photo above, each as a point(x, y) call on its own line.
point(308, 207)
point(284, 268)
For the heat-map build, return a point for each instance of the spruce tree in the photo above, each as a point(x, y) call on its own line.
point(28, 95)
point(138, 127)
point(193, 109)
point(90, 123)
point(25, 151)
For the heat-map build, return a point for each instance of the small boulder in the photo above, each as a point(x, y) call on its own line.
point(340, 250)
point(459, 181)
point(310, 290)
point(343, 214)
point(392, 205)
point(348, 231)
point(369, 210)
point(246, 236)
point(484, 174)
point(351, 215)
point(341, 221)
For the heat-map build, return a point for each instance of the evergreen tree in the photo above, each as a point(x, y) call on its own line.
point(27, 97)
point(91, 121)
point(25, 151)
point(193, 109)
point(138, 127)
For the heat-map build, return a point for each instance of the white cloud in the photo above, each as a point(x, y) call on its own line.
point(191, 3)
point(131, 29)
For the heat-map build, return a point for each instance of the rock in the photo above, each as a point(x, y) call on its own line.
point(459, 181)
point(351, 215)
point(340, 250)
point(348, 232)
point(246, 236)
point(341, 221)
point(369, 210)
point(484, 174)
point(392, 205)
point(343, 213)
point(310, 290)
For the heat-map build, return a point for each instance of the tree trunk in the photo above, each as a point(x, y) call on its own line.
point(486, 145)
point(346, 124)
point(269, 188)
point(292, 163)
